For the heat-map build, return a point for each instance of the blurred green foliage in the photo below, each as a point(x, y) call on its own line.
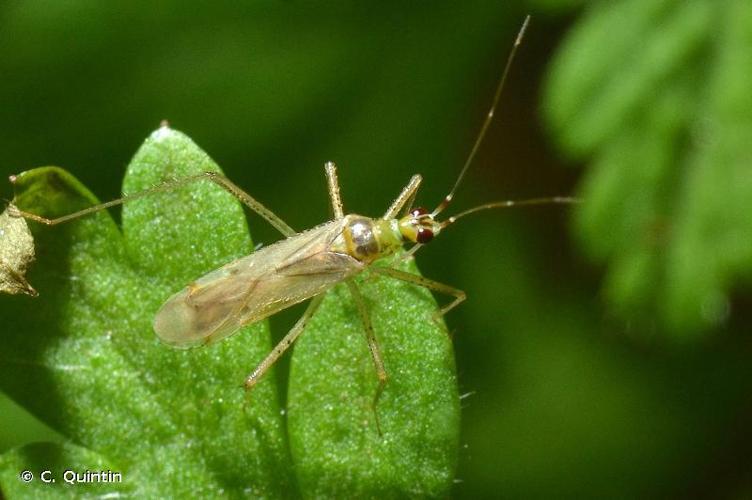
point(657, 94)
point(564, 398)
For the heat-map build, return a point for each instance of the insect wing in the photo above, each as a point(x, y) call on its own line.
point(254, 287)
point(189, 317)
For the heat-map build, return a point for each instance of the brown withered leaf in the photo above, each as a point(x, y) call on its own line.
point(16, 253)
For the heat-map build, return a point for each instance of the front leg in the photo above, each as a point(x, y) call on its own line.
point(459, 295)
point(405, 198)
point(333, 184)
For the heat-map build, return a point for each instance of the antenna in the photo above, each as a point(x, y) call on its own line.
point(567, 200)
point(489, 117)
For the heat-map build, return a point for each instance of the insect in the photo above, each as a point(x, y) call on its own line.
point(305, 265)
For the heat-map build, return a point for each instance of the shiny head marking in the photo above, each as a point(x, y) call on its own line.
point(361, 241)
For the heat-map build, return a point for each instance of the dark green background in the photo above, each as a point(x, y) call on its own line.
point(563, 398)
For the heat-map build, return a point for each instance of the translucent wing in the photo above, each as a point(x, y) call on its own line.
point(255, 287)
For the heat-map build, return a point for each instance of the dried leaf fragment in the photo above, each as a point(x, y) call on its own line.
point(16, 253)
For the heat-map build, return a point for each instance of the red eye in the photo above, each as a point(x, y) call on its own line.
point(418, 211)
point(424, 235)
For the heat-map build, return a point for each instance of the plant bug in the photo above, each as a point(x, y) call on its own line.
point(305, 265)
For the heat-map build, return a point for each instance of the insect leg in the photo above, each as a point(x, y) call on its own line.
point(252, 379)
point(459, 295)
point(405, 198)
point(372, 345)
point(331, 179)
point(250, 202)
point(216, 178)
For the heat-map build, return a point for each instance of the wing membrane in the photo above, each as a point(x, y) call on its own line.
point(254, 287)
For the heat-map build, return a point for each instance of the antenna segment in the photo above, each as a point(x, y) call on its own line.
point(489, 118)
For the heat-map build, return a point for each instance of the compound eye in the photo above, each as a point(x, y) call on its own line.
point(424, 235)
point(418, 211)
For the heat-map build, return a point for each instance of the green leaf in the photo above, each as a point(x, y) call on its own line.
point(176, 421)
point(655, 95)
point(335, 443)
point(172, 422)
point(48, 470)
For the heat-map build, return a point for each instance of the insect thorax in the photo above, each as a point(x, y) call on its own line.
point(369, 239)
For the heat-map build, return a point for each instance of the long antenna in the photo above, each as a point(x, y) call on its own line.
point(489, 117)
point(511, 203)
